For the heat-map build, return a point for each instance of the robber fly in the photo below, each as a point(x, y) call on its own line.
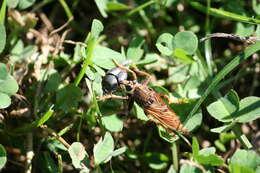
point(150, 101)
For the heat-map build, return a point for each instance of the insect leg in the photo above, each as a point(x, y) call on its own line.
point(146, 81)
point(111, 96)
point(177, 101)
point(165, 96)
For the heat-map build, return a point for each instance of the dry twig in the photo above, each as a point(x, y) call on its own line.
point(249, 40)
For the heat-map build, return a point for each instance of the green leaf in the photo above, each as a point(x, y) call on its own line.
point(68, 97)
point(223, 128)
point(194, 122)
point(246, 158)
point(156, 161)
point(96, 85)
point(5, 101)
point(79, 53)
point(103, 149)
point(192, 83)
point(186, 41)
point(2, 37)
point(245, 30)
point(24, 53)
point(182, 55)
point(211, 159)
point(131, 155)
point(207, 151)
point(116, 6)
point(96, 28)
point(165, 44)
point(148, 59)
point(178, 74)
point(53, 82)
point(3, 71)
point(233, 97)
point(79, 156)
point(207, 156)
point(226, 137)
point(119, 151)
point(161, 90)
point(134, 51)
point(222, 110)
point(103, 56)
point(112, 123)
point(235, 168)
point(102, 6)
point(166, 135)
point(189, 169)
point(256, 6)
point(257, 31)
point(9, 85)
point(54, 145)
point(99, 70)
point(139, 112)
point(195, 147)
point(3, 157)
point(90, 74)
point(23, 4)
point(17, 46)
point(220, 146)
point(12, 3)
point(249, 109)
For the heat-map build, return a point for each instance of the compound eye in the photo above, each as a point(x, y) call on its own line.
point(109, 83)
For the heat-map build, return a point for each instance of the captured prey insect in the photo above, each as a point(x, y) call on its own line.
point(150, 101)
point(114, 77)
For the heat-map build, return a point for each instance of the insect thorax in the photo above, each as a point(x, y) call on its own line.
point(143, 96)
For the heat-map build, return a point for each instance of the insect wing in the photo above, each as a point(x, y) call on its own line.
point(165, 117)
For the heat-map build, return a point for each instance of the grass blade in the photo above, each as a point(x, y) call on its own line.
point(34, 124)
point(228, 68)
point(224, 14)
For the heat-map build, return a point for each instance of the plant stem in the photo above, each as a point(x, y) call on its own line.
point(148, 23)
point(41, 4)
point(2, 12)
point(140, 7)
point(208, 50)
point(175, 156)
point(241, 137)
point(66, 8)
point(90, 49)
point(78, 129)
